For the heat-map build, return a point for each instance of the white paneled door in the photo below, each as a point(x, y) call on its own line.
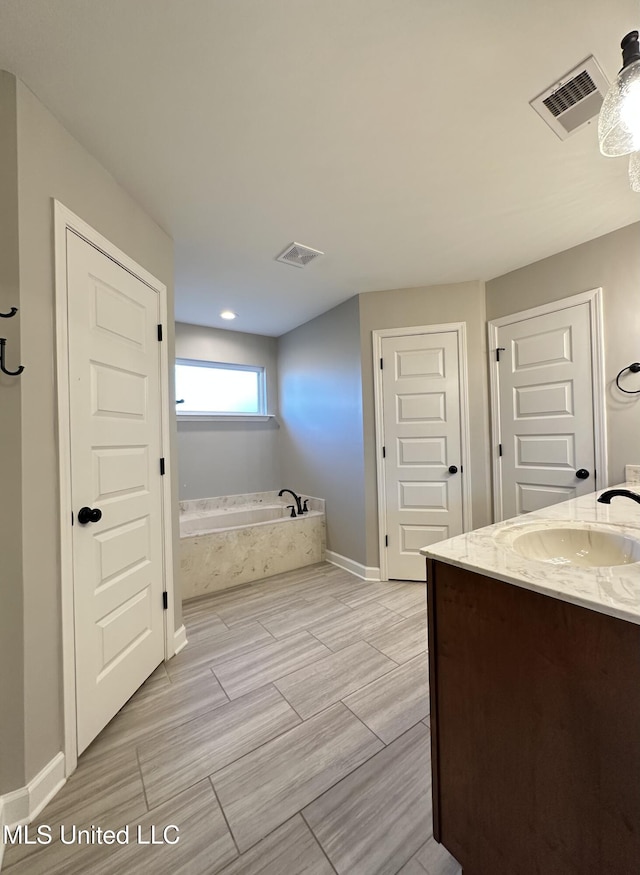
point(546, 409)
point(115, 426)
point(422, 461)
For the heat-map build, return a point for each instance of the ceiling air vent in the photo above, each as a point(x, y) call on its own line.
point(298, 255)
point(568, 105)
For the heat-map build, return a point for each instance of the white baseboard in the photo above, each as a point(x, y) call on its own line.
point(365, 572)
point(179, 640)
point(46, 784)
point(1, 831)
point(25, 803)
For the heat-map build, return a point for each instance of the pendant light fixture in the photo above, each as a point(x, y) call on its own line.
point(619, 121)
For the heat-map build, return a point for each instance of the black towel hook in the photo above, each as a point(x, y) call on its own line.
point(634, 368)
point(3, 341)
point(12, 312)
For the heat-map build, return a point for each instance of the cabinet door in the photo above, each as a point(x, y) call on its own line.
point(535, 710)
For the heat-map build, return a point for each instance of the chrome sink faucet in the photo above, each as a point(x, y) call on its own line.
point(296, 498)
point(606, 497)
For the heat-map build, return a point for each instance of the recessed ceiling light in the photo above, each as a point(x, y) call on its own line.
point(228, 314)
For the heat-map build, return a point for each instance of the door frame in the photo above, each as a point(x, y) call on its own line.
point(593, 298)
point(65, 220)
point(460, 328)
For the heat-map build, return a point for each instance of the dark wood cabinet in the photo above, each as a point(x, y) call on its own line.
point(535, 716)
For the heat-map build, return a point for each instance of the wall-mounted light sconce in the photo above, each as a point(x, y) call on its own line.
point(619, 121)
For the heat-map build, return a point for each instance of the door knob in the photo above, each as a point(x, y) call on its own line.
point(582, 474)
point(89, 515)
point(453, 469)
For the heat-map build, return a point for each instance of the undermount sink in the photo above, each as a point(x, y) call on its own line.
point(579, 545)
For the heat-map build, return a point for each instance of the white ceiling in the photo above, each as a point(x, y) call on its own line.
point(395, 135)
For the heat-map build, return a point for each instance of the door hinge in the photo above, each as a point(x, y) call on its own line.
point(498, 351)
point(165, 601)
point(499, 449)
point(461, 469)
point(159, 332)
point(72, 520)
point(386, 540)
point(384, 452)
point(381, 364)
point(162, 466)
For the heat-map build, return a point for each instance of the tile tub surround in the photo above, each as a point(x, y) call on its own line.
point(632, 474)
point(610, 590)
point(226, 541)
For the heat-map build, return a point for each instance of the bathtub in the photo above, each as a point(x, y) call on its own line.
point(231, 540)
point(236, 518)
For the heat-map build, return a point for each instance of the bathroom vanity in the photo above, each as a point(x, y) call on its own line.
point(534, 660)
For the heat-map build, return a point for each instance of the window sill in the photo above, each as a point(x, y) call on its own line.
point(224, 417)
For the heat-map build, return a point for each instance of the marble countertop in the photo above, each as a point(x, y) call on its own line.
point(613, 590)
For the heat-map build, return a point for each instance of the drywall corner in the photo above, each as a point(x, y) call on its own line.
point(12, 765)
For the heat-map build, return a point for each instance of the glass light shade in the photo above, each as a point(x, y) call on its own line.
point(619, 121)
point(634, 171)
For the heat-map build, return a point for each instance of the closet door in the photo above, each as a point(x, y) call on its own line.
point(114, 393)
point(544, 379)
point(422, 447)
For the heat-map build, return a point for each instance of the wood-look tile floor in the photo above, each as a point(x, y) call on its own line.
point(289, 736)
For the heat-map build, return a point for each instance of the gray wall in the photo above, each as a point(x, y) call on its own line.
point(229, 458)
point(431, 305)
point(321, 413)
point(51, 164)
point(11, 597)
point(613, 263)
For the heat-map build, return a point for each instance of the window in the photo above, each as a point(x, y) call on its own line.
point(212, 388)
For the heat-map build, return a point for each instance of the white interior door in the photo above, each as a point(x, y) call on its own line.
point(422, 447)
point(115, 427)
point(546, 409)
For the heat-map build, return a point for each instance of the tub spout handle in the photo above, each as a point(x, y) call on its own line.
point(292, 509)
point(305, 506)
